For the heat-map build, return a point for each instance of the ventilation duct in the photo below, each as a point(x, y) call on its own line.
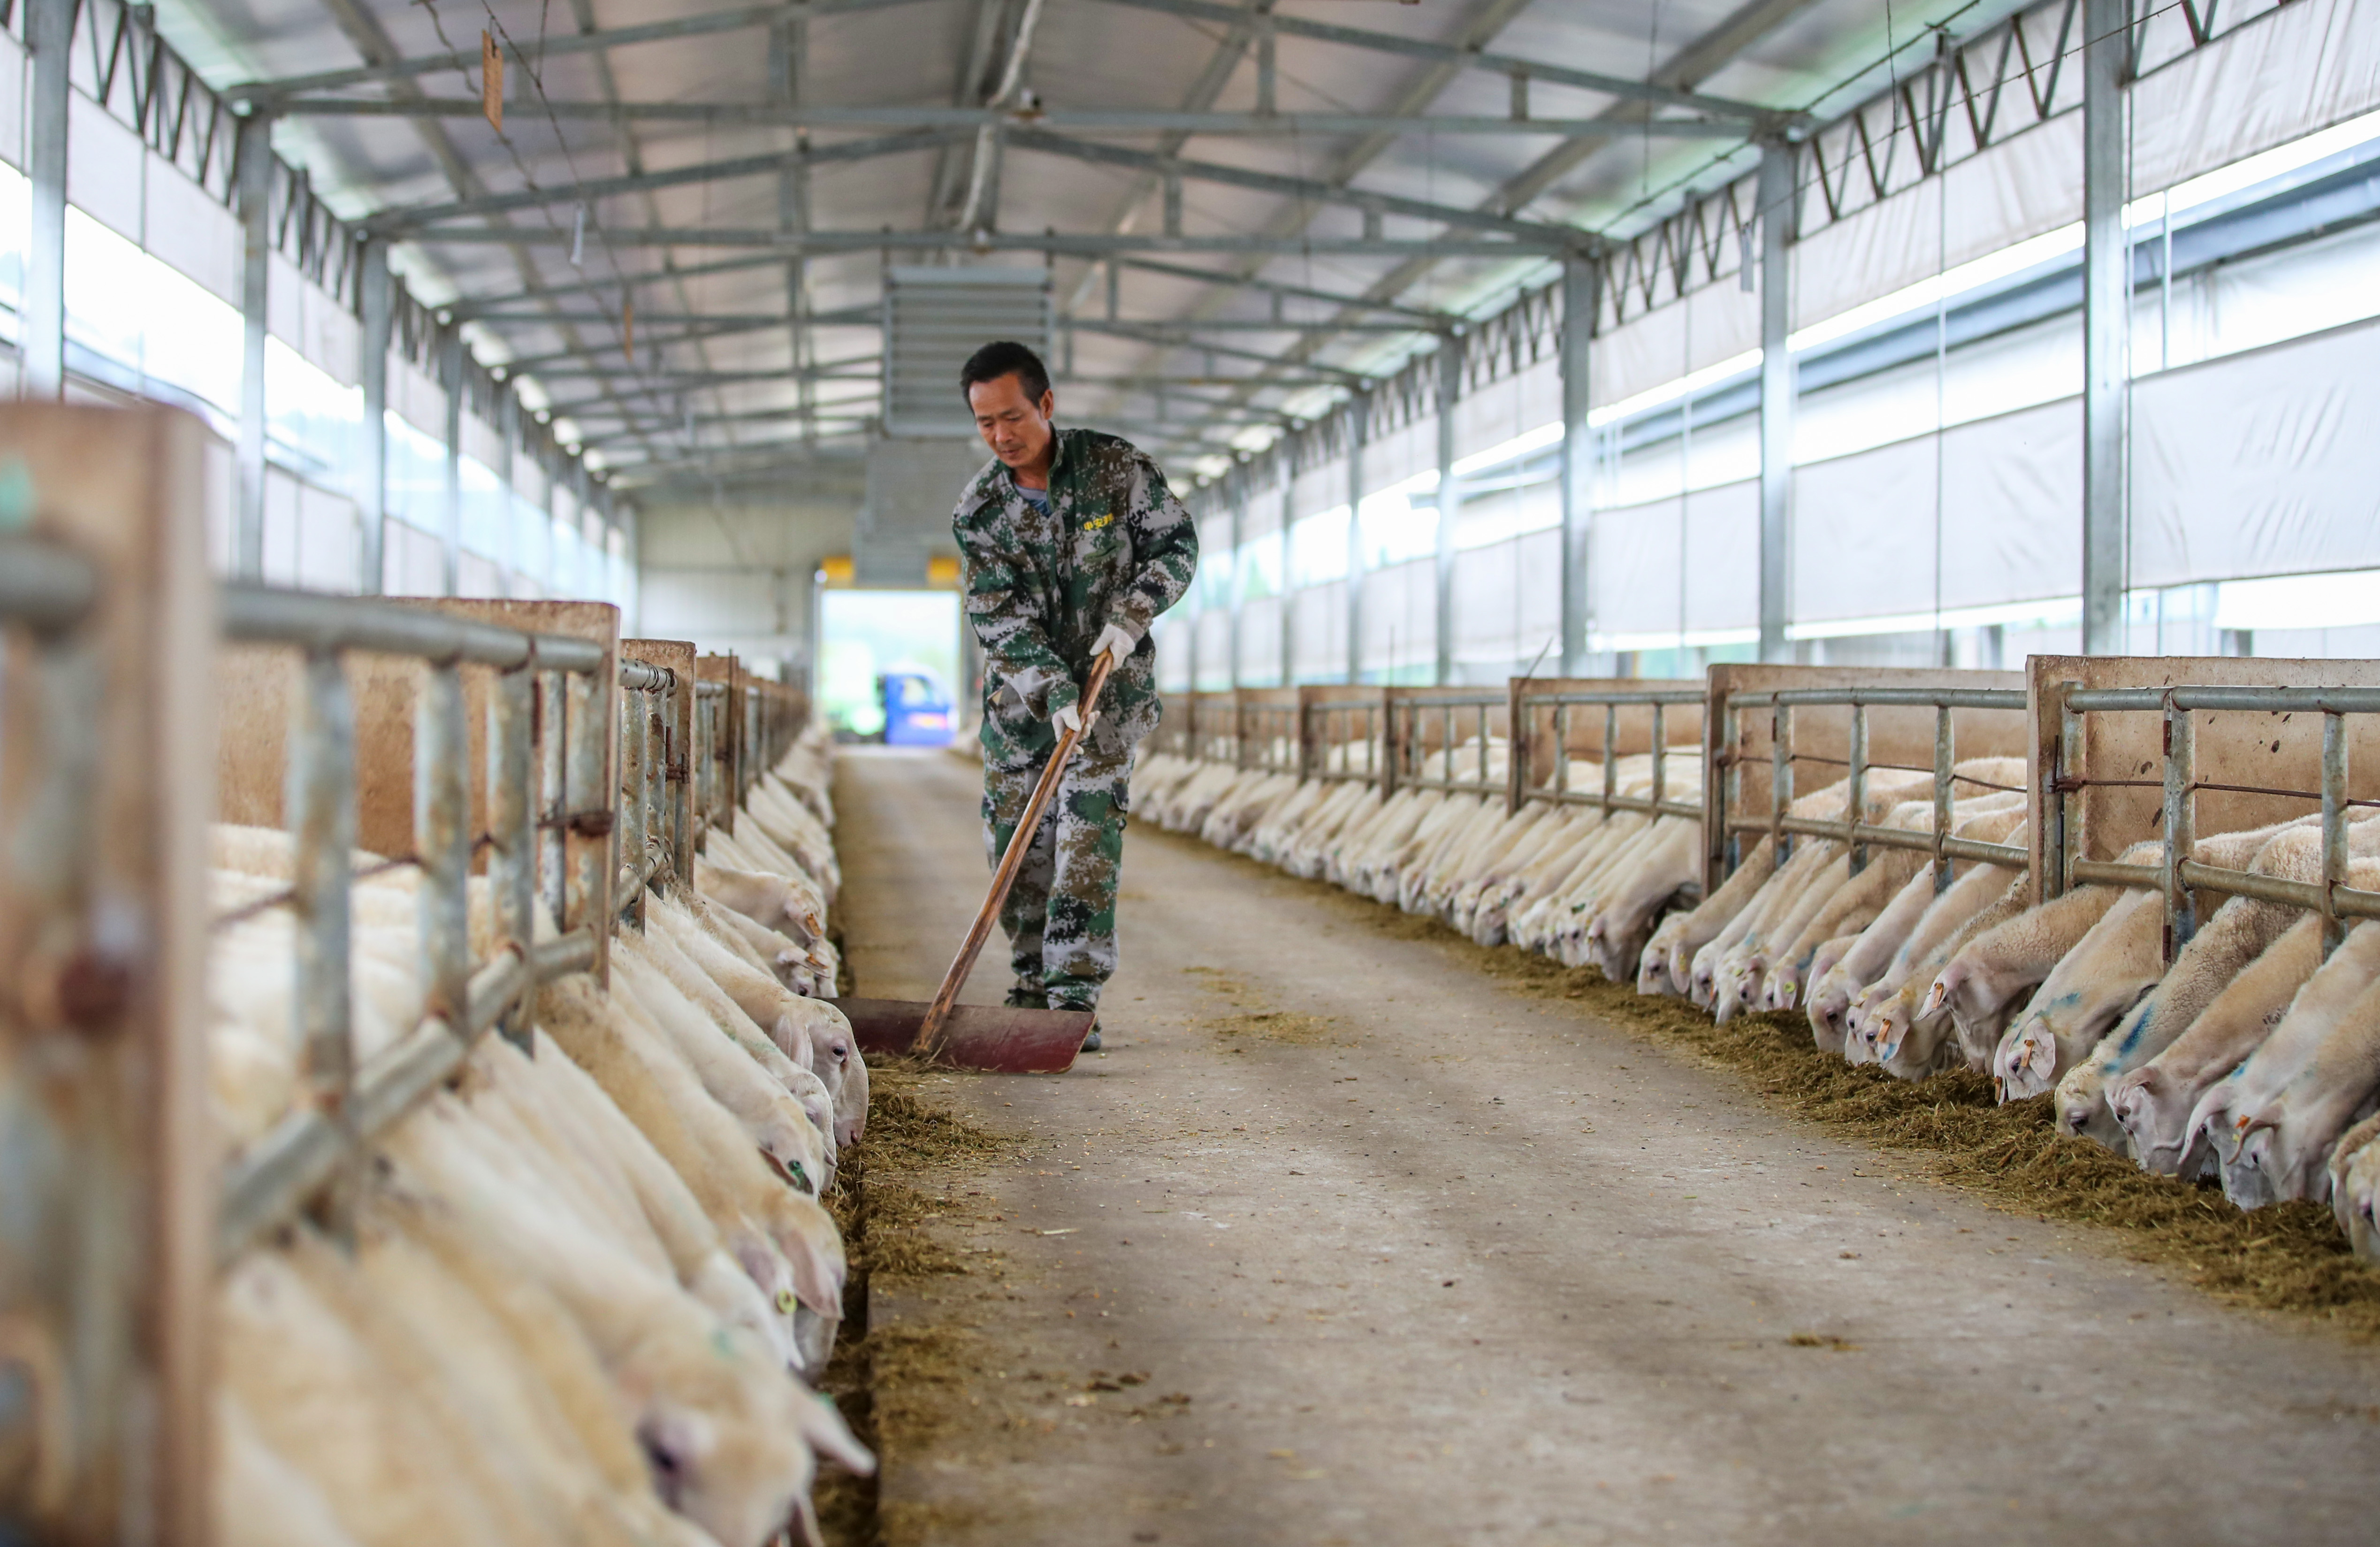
point(933, 319)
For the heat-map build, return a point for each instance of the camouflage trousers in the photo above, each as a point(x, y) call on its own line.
point(1060, 914)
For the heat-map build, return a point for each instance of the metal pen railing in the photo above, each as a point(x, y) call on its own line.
point(1781, 826)
point(550, 826)
point(2177, 875)
point(1411, 714)
point(1265, 734)
point(713, 761)
point(653, 841)
point(1344, 718)
point(1561, 705)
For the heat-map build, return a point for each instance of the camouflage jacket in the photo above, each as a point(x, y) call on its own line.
point(1115, 547)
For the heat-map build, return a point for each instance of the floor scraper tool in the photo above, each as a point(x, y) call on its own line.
point(994, 1037)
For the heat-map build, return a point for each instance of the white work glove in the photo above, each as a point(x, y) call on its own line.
point(1117, 640)
point(1071, 719)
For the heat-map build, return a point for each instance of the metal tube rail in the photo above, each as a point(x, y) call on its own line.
point(1896, 837)
point(273, 1178)
point(536, 807)
point(1314, 719)
point(1884, 697)
point(1519, 791)
point(2176, 875)
point(1620, 697)
point(1405, 758)
point(1854, 834)
point(43, 586)
point(1643, 803)
point(264, 614)
point(2317, 701)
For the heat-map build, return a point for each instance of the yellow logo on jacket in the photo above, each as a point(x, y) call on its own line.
point(1096, 522)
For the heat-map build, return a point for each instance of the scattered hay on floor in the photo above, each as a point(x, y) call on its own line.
point(896, 1385)
point(1295, 1027)
point(1280, 1025)
point(2291, 1257)
point(919, 1371)
point(906, 1132)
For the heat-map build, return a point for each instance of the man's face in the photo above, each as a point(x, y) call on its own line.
point(1014, 426)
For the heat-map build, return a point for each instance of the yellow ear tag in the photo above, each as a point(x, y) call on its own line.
point(786, 1302)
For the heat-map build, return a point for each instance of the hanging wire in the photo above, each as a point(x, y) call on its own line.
point(528, 178)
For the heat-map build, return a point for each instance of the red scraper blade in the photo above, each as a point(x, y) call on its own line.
point(991, 1037)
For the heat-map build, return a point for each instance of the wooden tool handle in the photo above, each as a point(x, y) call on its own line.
point(930, 1033)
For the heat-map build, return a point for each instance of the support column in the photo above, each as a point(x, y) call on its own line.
point(49, 27)
point(1450, 503)
point(788, 56)
point(1195, 615)
point(2106, 321)
point(550, 462)
point(372, 474)
point(1777, 206)
point(1359, 435)
point(507, 432)
point(450, 375)
point(1239, 512)
point(1582, 277)
point(255, 177)
point(1288, 585)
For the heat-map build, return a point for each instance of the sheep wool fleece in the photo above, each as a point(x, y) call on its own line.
point(1061, 913)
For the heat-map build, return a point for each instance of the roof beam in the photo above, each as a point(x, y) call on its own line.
point(725, 327)
point(550, 47)
point(869, 315)
point(1178, 338)
point(1696, 62)
point(650, 319)
point(1139, 327)
point(1229, 50)
point(406, 221)
point(789, 243)
point(1699, 60)
point(651, 383)
point(595, 370)
point(1480, 27)
point(646, 431)
point(1180, 384)
point(1081, 120)
point(1273, 182)
point(1422, 315)
point(1650, 92)
point(472, 308)
point(724, 456)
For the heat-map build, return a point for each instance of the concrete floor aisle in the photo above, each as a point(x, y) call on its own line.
point(1341, 1243)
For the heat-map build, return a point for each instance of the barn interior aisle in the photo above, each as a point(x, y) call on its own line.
point(1338, 1241)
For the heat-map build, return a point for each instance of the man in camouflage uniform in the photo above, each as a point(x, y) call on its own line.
point(1073, 545)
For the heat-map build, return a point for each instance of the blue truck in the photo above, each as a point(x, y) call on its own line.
point(916, 708)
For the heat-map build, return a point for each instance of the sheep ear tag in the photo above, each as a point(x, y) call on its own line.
point(991, 1037)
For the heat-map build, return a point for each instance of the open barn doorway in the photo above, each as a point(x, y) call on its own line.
point(889, 665)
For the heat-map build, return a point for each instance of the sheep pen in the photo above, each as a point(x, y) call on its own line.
point(2028, 1046)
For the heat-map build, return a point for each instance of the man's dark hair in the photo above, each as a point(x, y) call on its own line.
point(1005, 359)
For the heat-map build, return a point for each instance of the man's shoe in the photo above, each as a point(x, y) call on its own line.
point(1091, 1042)
point(1027, 999)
